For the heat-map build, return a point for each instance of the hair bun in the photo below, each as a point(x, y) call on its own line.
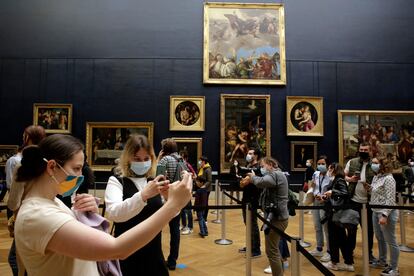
point(32, 164)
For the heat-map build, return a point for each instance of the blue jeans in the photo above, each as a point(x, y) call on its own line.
point(320, 229)
point(12, 259)
point(386, 237)
point(187, 212)
point(202, 222)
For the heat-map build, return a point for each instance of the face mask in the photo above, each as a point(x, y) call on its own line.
point(70, 184)
point(141, 168)
point(308, 164)
point(236, 164)
point(364, 155)
point(199, 163)
point(249, 158)
point(411, 164)
point(375, 167)
point(322, 168)
point(263, 171)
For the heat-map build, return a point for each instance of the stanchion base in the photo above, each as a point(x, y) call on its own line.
point(223, 241)
point(217, 221)
point(405, 248)
point(305, 244)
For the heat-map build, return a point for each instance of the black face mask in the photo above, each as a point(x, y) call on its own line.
point(364, 155)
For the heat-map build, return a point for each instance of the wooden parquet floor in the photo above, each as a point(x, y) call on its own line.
point(202, 257)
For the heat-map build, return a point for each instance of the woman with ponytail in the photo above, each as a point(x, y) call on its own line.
point(49, 239)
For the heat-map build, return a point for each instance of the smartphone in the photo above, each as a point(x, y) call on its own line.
point(358, 174)
point(161, 170)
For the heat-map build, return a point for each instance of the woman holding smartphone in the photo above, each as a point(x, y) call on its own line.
point(131, 198)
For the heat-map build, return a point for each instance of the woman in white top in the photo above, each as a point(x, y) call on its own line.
point(49, 239)
point(130, 199)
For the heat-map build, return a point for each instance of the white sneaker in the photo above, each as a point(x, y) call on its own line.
point(331, 266)
point(346, 267)
point(316, 253)
point(268, 270)
point(186, 231)
point(326, 257)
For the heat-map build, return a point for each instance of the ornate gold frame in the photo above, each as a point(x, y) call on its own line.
point(93, 125)
point(3, 148)
point(342, 112)
point(197, 141)
point(279, 8)
point(37, 106)
point(293, 144)
point(223, 98)
point(175, 125)
point(317, 102)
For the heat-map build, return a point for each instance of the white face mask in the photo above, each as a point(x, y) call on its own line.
point(308, 164)
point(141, 168)
point(249, 158)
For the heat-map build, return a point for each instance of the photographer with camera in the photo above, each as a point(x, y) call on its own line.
point(273, 199)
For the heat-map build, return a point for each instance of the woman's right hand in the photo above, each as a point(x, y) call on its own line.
point(153, 187)
point(179, 192)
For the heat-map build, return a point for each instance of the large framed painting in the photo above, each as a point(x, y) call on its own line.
point(187, 113)
point(304, 116)
point(300, 152)
point(388, 133)
point(244, 123)
point(55, 118)
point(7, 151)
point(193, 147)
point(244, 44)
point(106, 140)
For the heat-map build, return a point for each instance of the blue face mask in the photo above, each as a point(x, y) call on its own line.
point(141, 168)
point(322, 168)
point(263, 171)
point(375, 167)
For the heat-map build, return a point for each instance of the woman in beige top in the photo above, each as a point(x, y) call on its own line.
point(49, 240)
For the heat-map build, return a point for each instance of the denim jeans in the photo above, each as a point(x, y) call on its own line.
point(202, 222)
point(187, 213)
point(386, 238)
point(12, 259)
point(320, 229)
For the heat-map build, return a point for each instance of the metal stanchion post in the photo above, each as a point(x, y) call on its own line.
point(403, 246)
point(217, 194)
point(302, 242)
point(365, 250)
point(248, 240)
point(223, 240)
point(295, 257)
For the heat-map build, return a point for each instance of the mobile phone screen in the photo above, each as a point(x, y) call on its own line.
point(161, 169)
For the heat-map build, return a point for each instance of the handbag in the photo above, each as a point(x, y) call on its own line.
point(346, 217)
point(309, 197)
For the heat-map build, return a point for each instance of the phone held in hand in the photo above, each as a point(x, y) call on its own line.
point(161, 170)
point(357, 174)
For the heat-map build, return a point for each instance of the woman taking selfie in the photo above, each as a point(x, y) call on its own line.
point(131, 198)
point(49, 239)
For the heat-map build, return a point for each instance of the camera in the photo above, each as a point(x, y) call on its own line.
point(270, 212)
point(244, 171)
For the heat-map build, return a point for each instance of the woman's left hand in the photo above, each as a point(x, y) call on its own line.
point(85, 203)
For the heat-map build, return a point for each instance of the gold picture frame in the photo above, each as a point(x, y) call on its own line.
point(7, 151)
point(106, 140)
point(187, 113)
point(191, 144)
point(244, 44)
point(244, 123)
point(304, 116)
point(300, 151)
point(387, 131)
point(53, 117)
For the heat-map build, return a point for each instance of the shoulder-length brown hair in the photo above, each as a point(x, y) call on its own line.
point(385, 165)
point(134, 144)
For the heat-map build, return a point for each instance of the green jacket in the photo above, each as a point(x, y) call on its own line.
point(355, 164)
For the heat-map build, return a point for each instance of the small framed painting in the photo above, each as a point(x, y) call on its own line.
point(187, 113)
point(304, 116)
point(300, 152)
point(7, 151)
point(54, 118)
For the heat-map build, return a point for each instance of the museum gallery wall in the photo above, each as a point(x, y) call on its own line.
point(126, 61)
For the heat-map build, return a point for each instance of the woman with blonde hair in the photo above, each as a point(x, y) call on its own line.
point(49, 239)
point(131, 198)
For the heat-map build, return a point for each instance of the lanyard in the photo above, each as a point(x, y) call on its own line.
point(320, 182)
